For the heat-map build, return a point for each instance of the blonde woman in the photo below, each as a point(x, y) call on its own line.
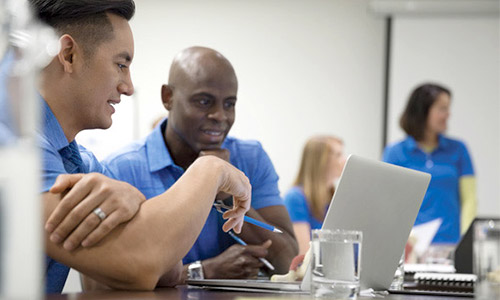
point(308, 200)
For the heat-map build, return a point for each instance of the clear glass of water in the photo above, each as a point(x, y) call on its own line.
point(336, 263)
point(486, 263)
point(399, 275)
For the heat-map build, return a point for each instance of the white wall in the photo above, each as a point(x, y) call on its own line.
point(304, 67)
point(461, 52)
point(308, 67)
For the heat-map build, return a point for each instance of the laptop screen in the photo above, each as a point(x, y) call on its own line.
point(381, 200)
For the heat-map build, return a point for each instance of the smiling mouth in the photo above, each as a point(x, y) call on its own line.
point(213, 133)
point(113, 102)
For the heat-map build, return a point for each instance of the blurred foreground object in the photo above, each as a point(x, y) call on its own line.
point(486, 245)
point(26, 46)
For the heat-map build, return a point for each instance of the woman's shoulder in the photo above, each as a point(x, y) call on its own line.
point(397, 151)
point(296, 192)
point(454, 142)
point(399, 143)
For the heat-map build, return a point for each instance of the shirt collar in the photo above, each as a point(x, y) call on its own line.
point(443, 142)
point(52, 130)
point(157, 152)
point(411, 144)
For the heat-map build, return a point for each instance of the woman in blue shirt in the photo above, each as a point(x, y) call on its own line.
point(451, 195)
point(308, 200)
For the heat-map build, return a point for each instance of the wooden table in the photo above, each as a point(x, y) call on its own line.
point(190, 293)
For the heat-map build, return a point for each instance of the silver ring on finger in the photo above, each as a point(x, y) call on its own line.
point(102, 215)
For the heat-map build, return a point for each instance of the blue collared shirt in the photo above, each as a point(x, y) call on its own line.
point(148, 166)
point(447, 163)
point(60, 157)
point(298, 208)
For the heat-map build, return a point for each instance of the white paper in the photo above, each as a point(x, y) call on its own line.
point(424, 233)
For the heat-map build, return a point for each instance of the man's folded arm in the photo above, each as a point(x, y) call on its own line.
point(137, 254)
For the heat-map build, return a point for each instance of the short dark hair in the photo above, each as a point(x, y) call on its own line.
point(414, 118)
point(85, 20)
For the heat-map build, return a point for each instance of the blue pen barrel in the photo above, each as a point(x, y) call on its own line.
point(258, 223)
point(221, 209)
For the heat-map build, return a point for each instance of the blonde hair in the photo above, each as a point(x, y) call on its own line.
point(313, 171)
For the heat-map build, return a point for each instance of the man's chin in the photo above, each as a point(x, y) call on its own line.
point(206, 147)
point(102, 125)
point(105, 125)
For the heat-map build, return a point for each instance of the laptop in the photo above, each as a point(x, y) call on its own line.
point(381, 200)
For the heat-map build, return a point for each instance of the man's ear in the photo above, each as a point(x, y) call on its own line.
point(166, 96)
point(66, 55)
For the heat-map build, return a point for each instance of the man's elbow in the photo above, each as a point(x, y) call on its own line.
point(148, 278)
point(141, 275)
point(144, 282)
point(140, 282)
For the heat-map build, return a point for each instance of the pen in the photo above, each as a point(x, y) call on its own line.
point(221, 207)
point(242, 242)
point(261, 224)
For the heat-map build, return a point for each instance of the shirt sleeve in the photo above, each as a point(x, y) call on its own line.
point(91, 163)
point(296, 205)
point(265, 191)
point(465, 162)
point(389, 155)
point(125, 168)
point(52, 166)
point(468, 202)
point(111, 167)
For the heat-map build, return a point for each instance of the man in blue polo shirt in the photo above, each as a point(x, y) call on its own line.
point(201, 98)
point(140, 244)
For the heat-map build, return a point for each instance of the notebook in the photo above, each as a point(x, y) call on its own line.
point(380, 199)
point(461, 285)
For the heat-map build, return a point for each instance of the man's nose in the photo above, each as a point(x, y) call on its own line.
point(218, 113)
point(126, 87)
